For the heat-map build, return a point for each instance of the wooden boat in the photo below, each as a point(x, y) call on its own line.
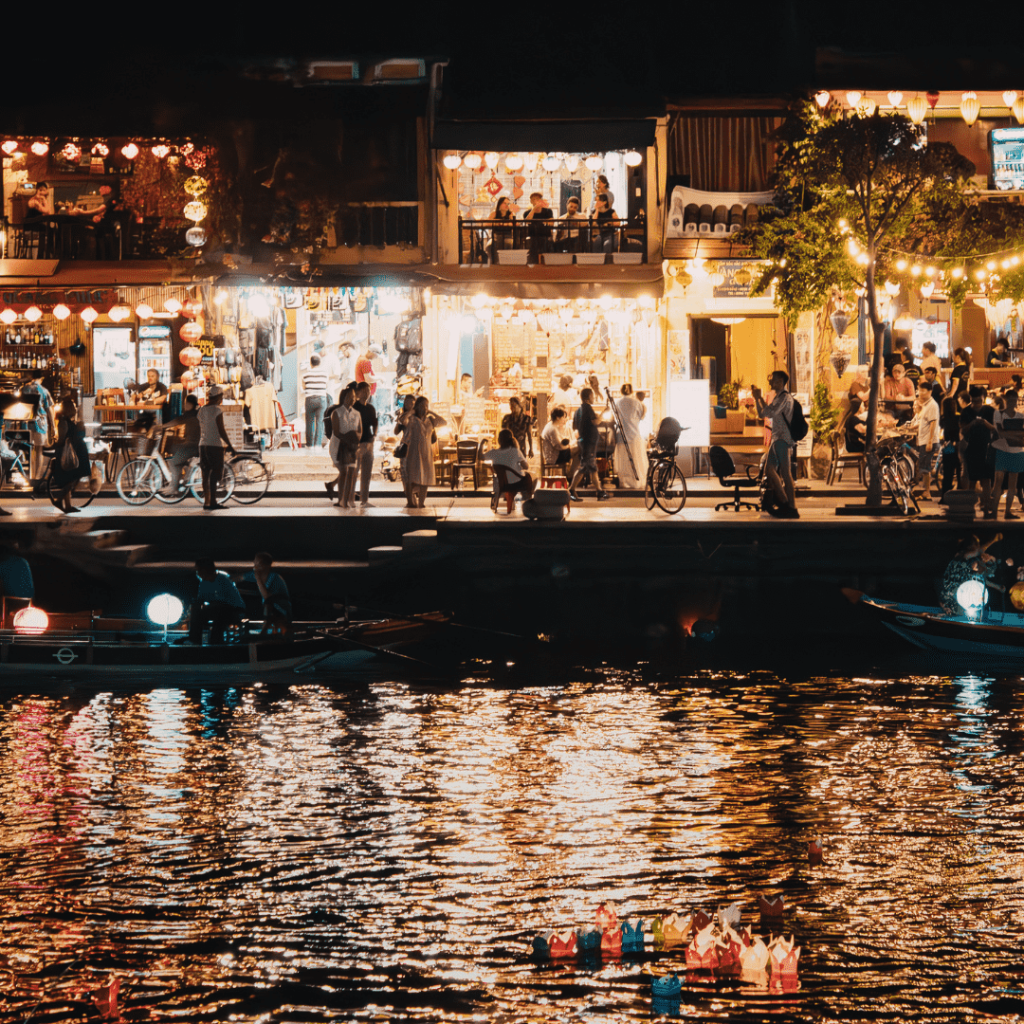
point(997, 635)
point(133, 649)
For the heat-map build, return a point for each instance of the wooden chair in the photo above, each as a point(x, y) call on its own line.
point(723, 467)
point(841, 459)
point(465, 461)
point(506, 490)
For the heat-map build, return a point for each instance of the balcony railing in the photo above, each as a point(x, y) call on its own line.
point(378, 224)
point(560, 240)
point(63, 236)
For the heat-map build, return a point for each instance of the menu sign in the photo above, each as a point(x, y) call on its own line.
point(730, 288)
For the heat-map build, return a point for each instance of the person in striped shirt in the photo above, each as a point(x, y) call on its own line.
point(314, 384)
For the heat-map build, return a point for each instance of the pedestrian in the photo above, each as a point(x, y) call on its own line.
point(408, 403)
point(346, 427)
point(1009, 449)
point(213, 439)
point(40, 427)
point(585, 424)
point(277, 603)
point(977, 429)
point(314, 385)
point(778, 464)
point(926, 419)
point(71, 456)
point(367, 440)
point(419, 458)
point(959, 378)
point(519, 424)
point(631, 450)
point(218, 604)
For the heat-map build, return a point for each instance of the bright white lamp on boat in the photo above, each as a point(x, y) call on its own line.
point(31, 620)
point(164, 610)
point(972, 596)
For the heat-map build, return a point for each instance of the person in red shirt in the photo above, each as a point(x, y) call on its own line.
point(364, 372)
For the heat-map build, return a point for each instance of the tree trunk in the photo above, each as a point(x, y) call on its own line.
point(871, 458)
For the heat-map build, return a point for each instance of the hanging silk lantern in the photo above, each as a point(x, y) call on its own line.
point(491, 159)
point(101, 149)
point(119, 312)
point(452, 161)
point(190, 332)
point(32, 314)
point(61, 312)
point(195, 210)
point(473, 161)
point(970, 107)
point(8, 316)
point(633, 159)
point(196, 185)
point(513, 161)
point(196, 236)
point(40, 148)
point(190, 356)
point(594, 162)
point(161, 151)
point(572, 161)
point(172, 305)
point(917, 108)
point(192, 308)
point(550, 162)
point(853, 98)
point(130, 151)
point(840, 361)
point(933, 98)
point(1018, 109)
point(823, 97)
point(895, 98)
point(89, 314)
point(72, 153)
point(10, 146)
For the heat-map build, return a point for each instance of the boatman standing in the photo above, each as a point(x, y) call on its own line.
point(218, 604)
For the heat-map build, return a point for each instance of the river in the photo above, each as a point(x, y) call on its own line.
point(387, 851)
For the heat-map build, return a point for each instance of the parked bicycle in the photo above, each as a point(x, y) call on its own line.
point(245, 479)
point(666, 485)
point(897, 462)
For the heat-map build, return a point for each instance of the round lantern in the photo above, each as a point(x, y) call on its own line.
point(164, 610)
point(190, 332)
point(196, 185)
point(31, 620)
point(32, 314)
point(119, 312)
point(190, 356)
point(88, 314)
point(61, 312)
point(172, 305)
point(192, 308)
point(130, 151)
point(1017, 596)
point(40, 148)
point(8, 316)
point(195, 236)
point(143, 310)
point(195, 210)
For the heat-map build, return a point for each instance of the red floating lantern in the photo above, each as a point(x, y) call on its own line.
point(190, 332)
point(192, 308)
point(190, 356)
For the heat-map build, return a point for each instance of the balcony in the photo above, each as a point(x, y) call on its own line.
point(560, 241)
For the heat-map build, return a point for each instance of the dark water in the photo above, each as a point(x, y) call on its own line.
point(307, 853)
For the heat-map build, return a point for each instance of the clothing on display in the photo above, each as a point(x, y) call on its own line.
point(260, 400)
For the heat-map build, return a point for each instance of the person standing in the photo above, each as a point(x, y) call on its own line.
point(518, 423)
point(40, 426)
point(17, 588)
point(346, 427)
point(977, 429)
point(930, 358)
point(778, 465)
point(631, 413)
point(68, 471)
point(213, 439)
point(314, 386)
point(218, 603)
point(926, 419)
point(585, 425)
point(419, 458)
point(364, 371)
point(601, 189)
point(999, 355)
point(960, 378)
point(1009, 451)
point(367, 440)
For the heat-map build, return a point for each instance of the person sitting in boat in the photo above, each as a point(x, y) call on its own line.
point(17, 588)
point(277, 604)
point(218, 604)
point(972, 562)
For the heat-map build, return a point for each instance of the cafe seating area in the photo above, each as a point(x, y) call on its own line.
point(560, 241)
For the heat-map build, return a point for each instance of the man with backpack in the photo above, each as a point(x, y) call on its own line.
point(788, 426)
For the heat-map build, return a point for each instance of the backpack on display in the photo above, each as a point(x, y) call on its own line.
point(797, 422)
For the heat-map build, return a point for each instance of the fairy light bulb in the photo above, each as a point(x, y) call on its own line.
point(901, 265)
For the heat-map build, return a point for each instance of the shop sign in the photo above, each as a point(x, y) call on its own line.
point(154, 331)
point(730, 288)
point(205, 345)
point(75, 299)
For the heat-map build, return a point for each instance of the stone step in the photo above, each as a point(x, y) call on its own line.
point(128, 555)
point(419, 539)
point(106, 538)
point(383, 553)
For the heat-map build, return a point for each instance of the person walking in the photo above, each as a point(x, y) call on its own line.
point(419, 458)
point(402, 421)
point(346, 427)
point(314, 385)
point(367, 440)
point(71, 454)
point(213, 439)
point(40, 427)
point(585, 425)
point(778, 465)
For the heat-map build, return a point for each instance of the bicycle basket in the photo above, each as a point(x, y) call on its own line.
point(141, 445)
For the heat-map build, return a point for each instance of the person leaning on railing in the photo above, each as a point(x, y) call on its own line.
point(605, 217)
point(501, 236)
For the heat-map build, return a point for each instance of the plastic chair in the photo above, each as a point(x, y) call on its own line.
point(506, 490)
point(723, 467)
point(465, 459)
point(285, 432)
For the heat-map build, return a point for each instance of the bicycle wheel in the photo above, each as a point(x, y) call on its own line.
point(224, 490)
point(136, 483)
point(670, 489)
point(252, 478)
point(80, 496)
point(169, 497)
point(892, 480)
point(652, 474)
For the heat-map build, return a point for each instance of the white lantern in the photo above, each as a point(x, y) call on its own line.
point(491, 159)
point(530, 161)
point(89, 314)
point(513, 161)
point(61, 312)
point(853, 98)
point(1010, 97)
point(130, 151)
point(895, 98)
point(572, 161)
point(32, 314)
point(633, 159)
point(473, 161)
point(917, 108)
point(970, 107)
point(143, 310)
point(550, 163)
point(823, 97)
point(594, 162)
point(452, 161)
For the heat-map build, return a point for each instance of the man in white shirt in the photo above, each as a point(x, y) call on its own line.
point(930, 358)
point(926, 419)
point(556, 443)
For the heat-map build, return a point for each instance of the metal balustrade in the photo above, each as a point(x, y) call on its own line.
point(494, 241)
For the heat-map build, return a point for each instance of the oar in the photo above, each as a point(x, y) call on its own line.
point(434, 622)
point(379, 650)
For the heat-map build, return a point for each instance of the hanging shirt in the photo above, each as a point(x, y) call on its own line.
point(262, 412)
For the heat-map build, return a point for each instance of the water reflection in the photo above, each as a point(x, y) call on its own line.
point(389, 852)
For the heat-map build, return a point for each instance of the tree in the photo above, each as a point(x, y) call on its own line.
point(851, 194)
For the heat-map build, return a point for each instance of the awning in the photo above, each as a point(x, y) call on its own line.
point(71, 274)
point(543, 282)
point(545, 136)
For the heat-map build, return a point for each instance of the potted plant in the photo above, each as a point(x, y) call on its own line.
point(823, 420)
point(729, 394)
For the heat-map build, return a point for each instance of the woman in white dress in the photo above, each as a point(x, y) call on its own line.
point(631, 412)
point(419, 459)
point(346, 429)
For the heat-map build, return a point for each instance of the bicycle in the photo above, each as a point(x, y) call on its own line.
point(148, 476)
point(897, 469)
point(666, 485)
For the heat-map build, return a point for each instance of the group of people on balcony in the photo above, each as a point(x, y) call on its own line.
point(101, 221)
point(594, 233)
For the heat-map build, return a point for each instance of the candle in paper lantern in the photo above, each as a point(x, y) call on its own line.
point(190, 332)
point(190, 356)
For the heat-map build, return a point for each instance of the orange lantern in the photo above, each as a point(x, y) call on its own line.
point(1017, 596)
point(192, 308)
point(31, 620)
point(190, 356)
point(190, 332)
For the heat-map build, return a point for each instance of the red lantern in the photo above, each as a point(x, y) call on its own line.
point(190, 356)
point(192, 308)
point(933, 98)
point(190, 332)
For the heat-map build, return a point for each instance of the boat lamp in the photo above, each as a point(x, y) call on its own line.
point(972, 596)
point(31, 621)
point(164, 610)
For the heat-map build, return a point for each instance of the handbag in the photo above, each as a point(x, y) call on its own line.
point(401, 450)
point(68, 457)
